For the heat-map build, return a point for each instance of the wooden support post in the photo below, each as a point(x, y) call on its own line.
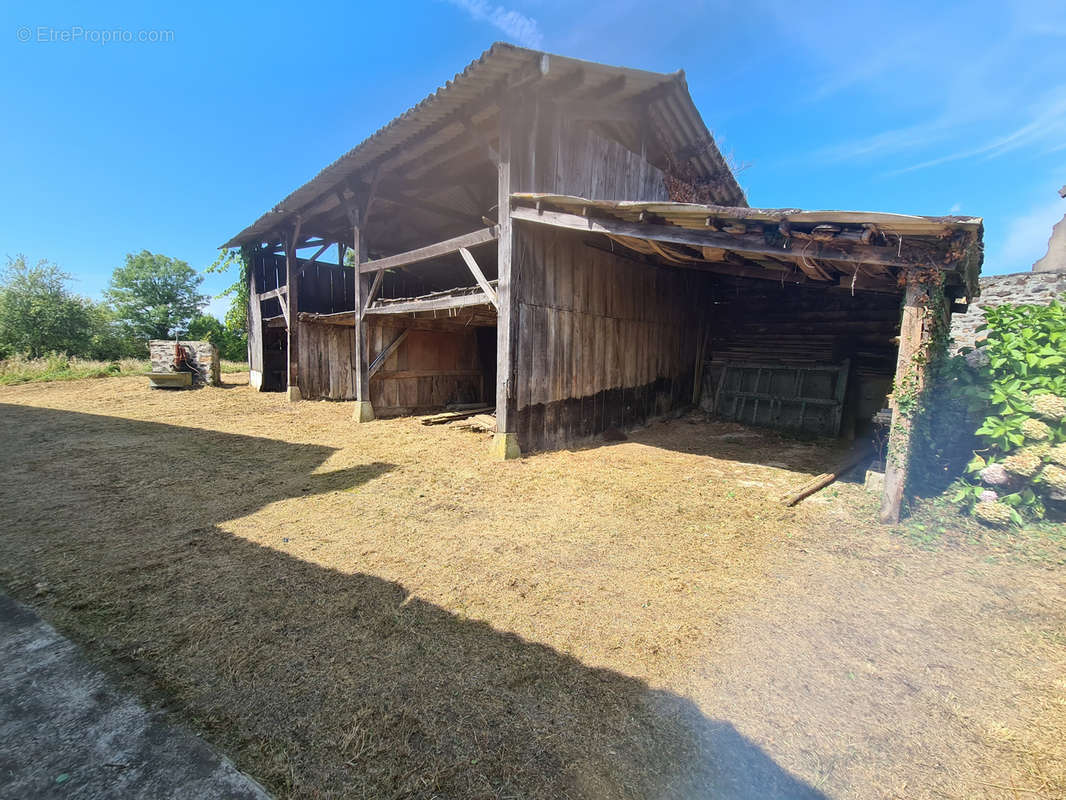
point(292, 306)
point(364, 411)
point(378, 276)
point(255, 326)
point(910, 378)
point(479, 276)
point(505, 440)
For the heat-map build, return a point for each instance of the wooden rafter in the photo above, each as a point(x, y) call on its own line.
point(435, 250)
point(749, 243)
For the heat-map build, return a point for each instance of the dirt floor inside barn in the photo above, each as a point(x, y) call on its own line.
point(384, 611)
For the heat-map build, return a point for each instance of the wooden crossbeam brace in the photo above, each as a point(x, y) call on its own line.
point(306, 262)
point(479, 276)
point(319, 252)
point(373, 291)
point(436, 250)
point(284, 303)
point(273, 293)
point(383, 356)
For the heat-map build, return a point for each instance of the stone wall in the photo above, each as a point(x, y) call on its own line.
point(1037, 288)
point(1055, 259)
point(203, 355)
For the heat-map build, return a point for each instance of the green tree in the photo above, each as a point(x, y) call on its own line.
point(231, 345)
point(38, 314)
point(236, 333)
point(155, 296)
point(111, 338)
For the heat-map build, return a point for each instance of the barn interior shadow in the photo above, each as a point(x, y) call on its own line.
point(319, 682)
point(700, 435)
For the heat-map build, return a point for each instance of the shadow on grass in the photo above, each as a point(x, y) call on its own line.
point(318, 682)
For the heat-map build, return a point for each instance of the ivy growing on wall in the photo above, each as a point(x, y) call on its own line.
point(237, 316)
point(1014, 385)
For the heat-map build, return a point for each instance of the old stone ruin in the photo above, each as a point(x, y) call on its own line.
point(177, 364)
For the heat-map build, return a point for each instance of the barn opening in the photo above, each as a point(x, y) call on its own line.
point(563, 241)
point(431, 340)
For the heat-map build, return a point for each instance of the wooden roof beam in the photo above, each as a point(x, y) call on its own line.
point(749, 243)
point(432, 304)
point(432, 251)
point(406, 201)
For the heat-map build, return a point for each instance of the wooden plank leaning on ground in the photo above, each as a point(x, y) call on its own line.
point(856, 456)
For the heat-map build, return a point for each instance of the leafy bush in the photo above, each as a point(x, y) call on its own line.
point(1021, 374)
point(232, 345)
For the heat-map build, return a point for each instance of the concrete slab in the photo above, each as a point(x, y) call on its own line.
point(66, 731)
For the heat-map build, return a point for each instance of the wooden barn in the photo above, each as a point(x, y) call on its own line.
point(562, 240)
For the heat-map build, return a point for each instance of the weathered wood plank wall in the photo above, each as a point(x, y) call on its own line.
point(255, 333)
point(429, 369)
point(765, 321)
point(569, 295)
point(562, 155)
point(603, 341)
point(580, 162)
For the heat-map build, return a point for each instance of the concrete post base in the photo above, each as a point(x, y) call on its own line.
point(505, 446)
point(294, 394)
point(363, 412)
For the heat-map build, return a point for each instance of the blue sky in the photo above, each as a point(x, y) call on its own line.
point(173, 146)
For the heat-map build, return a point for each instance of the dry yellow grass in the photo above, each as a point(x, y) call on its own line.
point(58, 367)
point(384, 611)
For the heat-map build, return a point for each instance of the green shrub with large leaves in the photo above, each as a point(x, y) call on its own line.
point(1022, 364)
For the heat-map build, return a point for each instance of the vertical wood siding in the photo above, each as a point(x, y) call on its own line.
point(603, 341)
point(429, 369)
point(255, 329)
point(583, 163)
point(555, 154)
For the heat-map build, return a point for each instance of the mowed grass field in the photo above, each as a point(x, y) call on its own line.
point(383, 611)
point(59, 367)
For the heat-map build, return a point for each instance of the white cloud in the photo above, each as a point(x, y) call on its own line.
point(515, 25)
point(978, 85)
point(1027, 238)
point(1046, 126)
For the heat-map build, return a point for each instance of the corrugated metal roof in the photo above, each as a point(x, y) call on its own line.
point(677, 122)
